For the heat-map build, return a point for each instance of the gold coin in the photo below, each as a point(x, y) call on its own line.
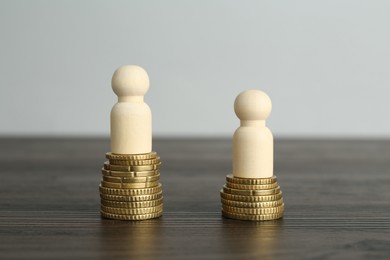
point(126, 157)
point(250, 181)
point(131, 217)
point(129, 174)
point(135, 163)
point(252, 217)
point(253, 211)
point(251, 187)
point(131, 179)
point(245, 198)
point(130, 192)
point(242, 204)
point(126, 168)
point(134, 198)
point(137, 211)
point(133, 185)
point(138, 204)
point(251, 192)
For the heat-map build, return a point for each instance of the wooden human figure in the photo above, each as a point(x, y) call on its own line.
point(131, 118)
point(252, 141)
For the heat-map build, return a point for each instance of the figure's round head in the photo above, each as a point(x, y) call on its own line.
point(130, 80)
point(252, 105)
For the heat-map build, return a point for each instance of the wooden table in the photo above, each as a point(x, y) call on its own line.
point(337, 196)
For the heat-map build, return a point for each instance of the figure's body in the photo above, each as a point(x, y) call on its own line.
point(252, 141)
point(131, 118)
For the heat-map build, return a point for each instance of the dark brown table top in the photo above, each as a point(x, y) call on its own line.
point(337, 196)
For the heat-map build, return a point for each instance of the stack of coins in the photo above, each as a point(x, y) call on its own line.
point(130, 187)
point(253, 199)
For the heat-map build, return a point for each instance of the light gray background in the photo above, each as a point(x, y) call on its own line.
point(325, 64)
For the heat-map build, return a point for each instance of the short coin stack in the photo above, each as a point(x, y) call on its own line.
point(130, 187)
point(253, 199)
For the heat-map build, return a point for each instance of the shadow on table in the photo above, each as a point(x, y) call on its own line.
point(250, 239)
point(172, 237)
point(133, 239)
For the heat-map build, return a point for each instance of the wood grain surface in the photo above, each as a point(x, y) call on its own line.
point(337, 196)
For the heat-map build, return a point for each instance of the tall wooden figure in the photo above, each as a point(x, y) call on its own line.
point(252, 192)
point(130, 187)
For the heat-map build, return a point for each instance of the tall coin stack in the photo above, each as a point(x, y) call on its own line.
point(130, 188)
point(252, 198)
